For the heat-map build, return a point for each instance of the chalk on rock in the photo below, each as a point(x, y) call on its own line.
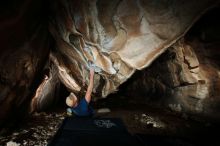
point(93, 66)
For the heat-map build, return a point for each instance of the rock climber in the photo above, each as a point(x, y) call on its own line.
point(81, 108)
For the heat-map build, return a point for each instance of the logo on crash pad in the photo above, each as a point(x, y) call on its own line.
point(104, 123)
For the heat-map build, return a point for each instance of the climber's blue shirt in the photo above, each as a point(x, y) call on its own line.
point(82, 109)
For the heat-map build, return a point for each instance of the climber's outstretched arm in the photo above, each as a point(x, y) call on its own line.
point(90, 86)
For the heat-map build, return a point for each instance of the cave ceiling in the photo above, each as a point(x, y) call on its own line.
point(118, 37)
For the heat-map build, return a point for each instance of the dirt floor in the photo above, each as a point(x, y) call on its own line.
point(37, 131)
point(158, 124)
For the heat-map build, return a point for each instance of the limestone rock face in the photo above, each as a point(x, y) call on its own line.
point(200, 95)
point(188, 77)
point(185, 78)
point(119, 37)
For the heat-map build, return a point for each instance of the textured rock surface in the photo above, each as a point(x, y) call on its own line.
point(24, 50)
point(119, 37)
point(185, 78)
